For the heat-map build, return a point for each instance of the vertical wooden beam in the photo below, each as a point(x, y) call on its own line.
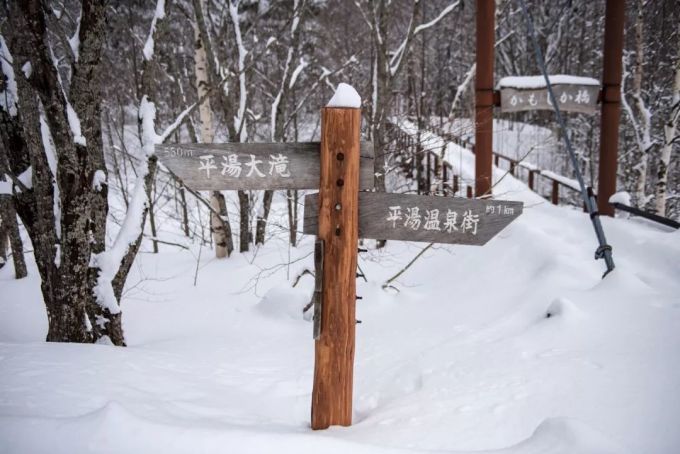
point(484, 96)
point(428, 175)
point(555, 197)
point(531, 179)
point(611, 103)
point(339, 230)
point(445, 179)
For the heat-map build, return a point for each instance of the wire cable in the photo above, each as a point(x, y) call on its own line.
point(604, 250)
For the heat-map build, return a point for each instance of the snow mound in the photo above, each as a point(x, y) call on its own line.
point(283, 303)
point(564, 436)
point(345, 96)
point(562, 307)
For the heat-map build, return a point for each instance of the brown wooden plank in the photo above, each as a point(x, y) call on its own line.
point(571, 98)
point(475, 221)
point(336, 218)
point(252, 166)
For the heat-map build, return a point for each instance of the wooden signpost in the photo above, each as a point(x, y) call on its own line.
point(339, 166)
point(574, 94)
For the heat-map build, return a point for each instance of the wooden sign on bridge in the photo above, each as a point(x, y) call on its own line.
point(573, 94)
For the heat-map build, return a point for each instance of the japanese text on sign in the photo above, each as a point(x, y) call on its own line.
point(276, 165)
point(431, 220)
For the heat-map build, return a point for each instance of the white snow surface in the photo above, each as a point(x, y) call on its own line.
point(345, 96)
point(26, 177)
point(5, 185)
point(514, 347)
point(539, 81)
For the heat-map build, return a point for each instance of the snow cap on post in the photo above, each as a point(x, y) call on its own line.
point(345, 96)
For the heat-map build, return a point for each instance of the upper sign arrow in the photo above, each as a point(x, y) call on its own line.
point(251, 166)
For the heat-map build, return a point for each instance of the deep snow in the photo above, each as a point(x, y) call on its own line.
point(462, 358)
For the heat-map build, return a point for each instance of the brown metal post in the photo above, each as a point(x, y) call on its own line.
point(611, 103)
point(339, 230)
point(484, 96)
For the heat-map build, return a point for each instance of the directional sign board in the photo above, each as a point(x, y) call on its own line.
point(573, 94)
point(431, 219)
point(250, 166)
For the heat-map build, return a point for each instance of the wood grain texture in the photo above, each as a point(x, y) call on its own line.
point(374, 211)
point(566, 94)
point(338, 229)
point(184, 160)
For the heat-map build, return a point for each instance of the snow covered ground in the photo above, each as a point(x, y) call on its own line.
point(514, 347)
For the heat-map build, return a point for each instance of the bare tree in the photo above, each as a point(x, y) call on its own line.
point(56, 136)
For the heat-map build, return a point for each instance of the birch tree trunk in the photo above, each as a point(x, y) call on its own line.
point(670, 138)
point(645, 117)
point(207, 133)
point(220, 225)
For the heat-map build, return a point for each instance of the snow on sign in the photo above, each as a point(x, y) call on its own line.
point(431, 219)
point(251, 166)
point(573, 94)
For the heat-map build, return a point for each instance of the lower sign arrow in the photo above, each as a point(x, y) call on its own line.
point(431, 219)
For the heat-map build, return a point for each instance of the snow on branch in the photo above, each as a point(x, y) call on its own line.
point(74, 41)
point(240, 120)
point(433, 22)
point(395, 62)
point(303, 64)
point(149, 44)
point(9, 97)
point(462, 87)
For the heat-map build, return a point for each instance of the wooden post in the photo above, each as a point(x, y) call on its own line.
point(428, 175)
point(555, 192)
point(531, 179)
point(484, 96)
point(455, 184)
point(445, 178)
point(469, 192)
point(611, 103)
point(338, 229)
